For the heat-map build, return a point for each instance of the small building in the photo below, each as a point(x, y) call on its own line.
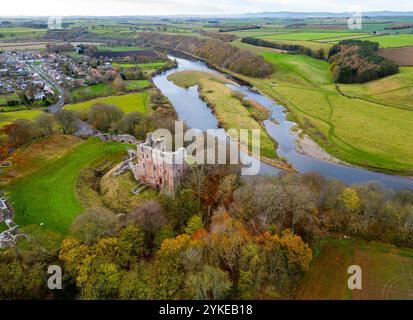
point(5, 212)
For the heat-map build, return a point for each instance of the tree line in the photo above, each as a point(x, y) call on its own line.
point(291, 48)
point(357, 61)
point(215, 52)
point(105, 118)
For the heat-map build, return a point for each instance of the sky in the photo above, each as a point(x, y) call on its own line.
point(188, 7)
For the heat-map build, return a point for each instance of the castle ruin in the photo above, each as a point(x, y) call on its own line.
point(154, 166)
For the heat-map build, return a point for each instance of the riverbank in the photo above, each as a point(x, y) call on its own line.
point(306, 146)
point(196, 113)
point(229, 111)
point(355, 131)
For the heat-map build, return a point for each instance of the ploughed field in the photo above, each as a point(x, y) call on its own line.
point(358, 131)
point(402, 56)
point(387, 272)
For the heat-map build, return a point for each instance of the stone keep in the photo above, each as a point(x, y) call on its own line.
point(158, 168)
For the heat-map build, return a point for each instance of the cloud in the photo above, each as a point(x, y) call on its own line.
point(200, 7)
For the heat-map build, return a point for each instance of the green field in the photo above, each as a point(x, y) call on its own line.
point(4, 98)
point(132, 102)
point(119, 48)
point(341, 38)
point(381, 267)
point(133, 85)
point(314, 45)
point(20, 30)
point(229, 110)
point(395, 91)
point(310, 36)
point(350, 129)
point(394, 41)
point(105, 89)
point(11, 34)
point(47, 196)
point(152, 65)
point(8, 117)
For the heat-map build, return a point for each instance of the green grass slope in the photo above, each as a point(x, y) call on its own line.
point(48, 195)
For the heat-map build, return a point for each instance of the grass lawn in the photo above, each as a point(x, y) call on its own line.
point(3, 227)
point(381, 265)
point(105, 89)
point(48, 195)
point(229, 110)
point(8, 117)
point(132, 102)
point(393, 41)
point(132, 85)
point(350, 129)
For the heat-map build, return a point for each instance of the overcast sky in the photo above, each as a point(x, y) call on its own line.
point(198, 7)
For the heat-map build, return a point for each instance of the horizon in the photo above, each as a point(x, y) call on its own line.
point(203, 15)
point(145, 8)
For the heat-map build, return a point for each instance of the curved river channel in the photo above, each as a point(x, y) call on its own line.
point(196, 114)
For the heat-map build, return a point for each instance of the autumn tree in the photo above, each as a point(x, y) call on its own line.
point(20, 132)
point(118, 84)
point(104, 117)
point(349, 202)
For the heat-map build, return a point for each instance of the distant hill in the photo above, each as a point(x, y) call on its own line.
point(288, 14)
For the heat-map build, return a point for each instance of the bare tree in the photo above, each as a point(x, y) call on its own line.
point(45, 123)
point(94, 223)
point(67, 120)
point(149, 216)
point(130, 123)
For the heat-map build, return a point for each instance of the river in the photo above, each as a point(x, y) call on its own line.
point(196, 114)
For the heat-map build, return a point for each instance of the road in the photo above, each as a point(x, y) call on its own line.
point(60, 103)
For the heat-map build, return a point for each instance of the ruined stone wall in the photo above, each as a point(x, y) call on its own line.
point(159, 169)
